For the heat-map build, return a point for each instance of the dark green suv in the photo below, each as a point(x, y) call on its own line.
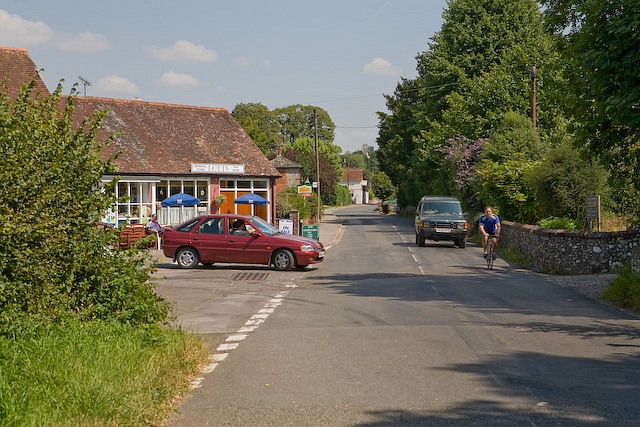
point(440, 218)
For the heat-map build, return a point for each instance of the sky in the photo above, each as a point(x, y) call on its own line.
point(339, 55)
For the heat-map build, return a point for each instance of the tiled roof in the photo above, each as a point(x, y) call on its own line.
point(352, 174)
point(166, 138)
point(16, 68)
point(281, 162)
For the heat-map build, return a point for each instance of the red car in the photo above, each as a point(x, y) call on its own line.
point(240, 239)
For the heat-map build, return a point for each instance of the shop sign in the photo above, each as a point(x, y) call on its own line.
point(217, 168)
point(305, 190)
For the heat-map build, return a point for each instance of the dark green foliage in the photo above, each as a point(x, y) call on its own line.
point(289, 200)
point(298, 121)
point(260, 124)
point(624, 290)
point(599, 40)
point(302, 151)
point(342, 195)
point(505, 186)
point(54, 260)
point(563, 180)
point(382, 186)
point(474, 75)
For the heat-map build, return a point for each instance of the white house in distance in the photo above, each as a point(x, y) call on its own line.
point(353, 179)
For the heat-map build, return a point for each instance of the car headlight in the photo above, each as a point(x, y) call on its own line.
point(307, 248)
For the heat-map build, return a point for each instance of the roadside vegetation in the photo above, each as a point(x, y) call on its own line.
point(84, 338)
point(624, 290)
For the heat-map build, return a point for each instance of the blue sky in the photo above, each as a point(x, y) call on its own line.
point(340, 55)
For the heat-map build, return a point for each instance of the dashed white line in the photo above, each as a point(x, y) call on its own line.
point(233, 341)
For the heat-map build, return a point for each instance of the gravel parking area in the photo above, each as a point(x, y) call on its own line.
point(590, 285)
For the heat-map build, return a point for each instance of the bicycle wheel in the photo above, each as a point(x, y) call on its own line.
point(490, 254)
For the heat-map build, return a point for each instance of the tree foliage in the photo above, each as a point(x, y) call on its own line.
point(302, 151)
point(260, 124)
point(298, 121)
point(273, 129)
point(54, 260)
point(599, 41)
point(382, 186)
point(563, 180)
point(475, 73)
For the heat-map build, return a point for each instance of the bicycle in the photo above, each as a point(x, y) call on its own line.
point(491, 251)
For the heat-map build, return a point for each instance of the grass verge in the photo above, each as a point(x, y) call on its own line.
point(95, 374)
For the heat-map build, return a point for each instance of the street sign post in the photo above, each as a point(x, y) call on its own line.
point(592, 203)
point(310, 231)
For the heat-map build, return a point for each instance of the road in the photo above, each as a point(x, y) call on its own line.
point(387, 333)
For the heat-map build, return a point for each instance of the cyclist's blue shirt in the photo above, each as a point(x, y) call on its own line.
point(489, 222)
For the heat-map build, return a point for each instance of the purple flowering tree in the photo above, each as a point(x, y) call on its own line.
point(463, 156)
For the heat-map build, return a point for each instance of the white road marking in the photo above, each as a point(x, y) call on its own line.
point(227, 347)
point(237, 337)
point(233, 341)
point(219, 357)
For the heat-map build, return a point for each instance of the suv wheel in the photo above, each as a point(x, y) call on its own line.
point(461, 243)
point(421, 240)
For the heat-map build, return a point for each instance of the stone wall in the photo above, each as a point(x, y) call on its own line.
point(572, 252)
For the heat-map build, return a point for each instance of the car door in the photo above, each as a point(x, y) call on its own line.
point(210, 240)
point(246, 247)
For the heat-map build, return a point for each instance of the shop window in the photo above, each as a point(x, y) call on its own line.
point(203, 190)
point(161, 191)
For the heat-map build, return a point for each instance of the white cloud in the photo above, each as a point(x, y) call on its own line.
point(379, 66)
point(243, 61)
point(83, 43)
point(19, 32)
point(116, 84)
point(184, 50)
point(265, 63)
point(180, 80)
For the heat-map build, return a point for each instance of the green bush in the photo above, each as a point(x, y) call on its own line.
point(563, 180)
point(556, 223)
point(624, 290)
point(343, 197)
point(289, 200)
point(54, 261)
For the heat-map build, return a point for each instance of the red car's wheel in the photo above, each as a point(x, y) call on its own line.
point(188, 258)
point(283, 260)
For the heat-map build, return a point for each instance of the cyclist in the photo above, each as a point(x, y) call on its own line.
point(489, 225)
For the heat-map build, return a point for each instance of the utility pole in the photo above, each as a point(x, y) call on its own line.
point(315, 126)
point(533, 75)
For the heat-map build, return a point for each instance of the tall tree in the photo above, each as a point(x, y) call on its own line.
point(600, 40)
point(302, 151)
point(261, 125)
point(297, 121)
point(476, 70)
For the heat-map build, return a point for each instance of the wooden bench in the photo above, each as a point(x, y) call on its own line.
point(132, 233)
